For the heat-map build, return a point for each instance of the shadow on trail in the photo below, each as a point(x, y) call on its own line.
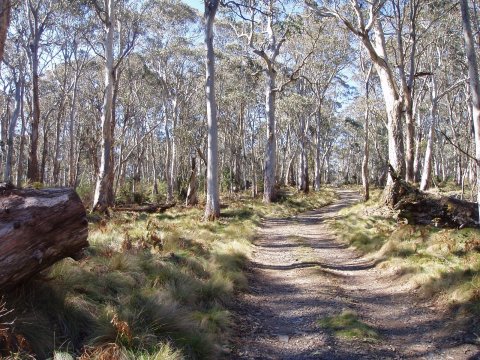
point(309, 264)
point(276, 307)
point(319, 245)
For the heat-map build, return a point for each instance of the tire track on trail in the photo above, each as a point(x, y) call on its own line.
point(301, 273)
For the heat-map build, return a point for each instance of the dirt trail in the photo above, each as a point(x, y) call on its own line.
point(301, 274)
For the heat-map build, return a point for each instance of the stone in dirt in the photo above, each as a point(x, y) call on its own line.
point(283, 338)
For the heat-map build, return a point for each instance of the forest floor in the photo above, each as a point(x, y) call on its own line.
point(313, 297)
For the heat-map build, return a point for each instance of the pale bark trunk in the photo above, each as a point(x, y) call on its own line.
point(418, 140)
point(56, 151)
point(395, 134)
point(408, 83)
point(318, 151)
point(427, 164)
point(192, 198)
point(271, 147)
point(71, 150)
point(474, 85)
point(365, 175)
point(409, 139)
point(302, 160)
point(154, 168)
point(22, 145)
point(168, 165)
point(212, 206)
point(392, 99)
point(173, 139)
point(254, 180)
point(12, 126)
point(103, 185)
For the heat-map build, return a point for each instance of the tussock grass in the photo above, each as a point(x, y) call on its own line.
point(153, 286)
point(347, 325)
point(444, 264)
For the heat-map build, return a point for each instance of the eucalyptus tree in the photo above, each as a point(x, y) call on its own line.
point(16, 63)
point(120, 32)
point(171, 56)
point(212, 206)
point(439, 85)
point(265, 27)
point(322, 71)
point(367, 71)
point(474, 84)
point(107, 14)
point(39, 16)
point(361, 18)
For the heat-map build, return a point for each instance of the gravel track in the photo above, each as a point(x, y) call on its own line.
point(301, 273)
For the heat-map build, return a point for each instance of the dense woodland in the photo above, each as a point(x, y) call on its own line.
point(109, 96)
point(262, 109)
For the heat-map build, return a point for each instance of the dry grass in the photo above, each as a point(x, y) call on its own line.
point(152, 286)
point(444, 264)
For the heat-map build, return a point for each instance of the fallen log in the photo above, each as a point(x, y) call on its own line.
point(37, 229)
point(145, 208)
point(421, 208)
point(440, 211)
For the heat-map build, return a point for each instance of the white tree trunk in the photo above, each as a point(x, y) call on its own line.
point(212, 206)
point(318, 152)
point(271, 147)
point(427, 164)
point(72, 174)
point(20, 158)
point(418, 140)
point(393, 104)
point(474, 85)
point(168, 157)
point(12, 126)
point(365, 175)
point(103, 184)
point(302, 160)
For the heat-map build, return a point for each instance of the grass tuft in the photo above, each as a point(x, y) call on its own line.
point(153, 286)
point(348, 326)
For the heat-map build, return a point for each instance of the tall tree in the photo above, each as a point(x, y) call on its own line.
point(39, 13)
point(377, 50)
point(474, 84)
point(212, 206)
point(104, 184)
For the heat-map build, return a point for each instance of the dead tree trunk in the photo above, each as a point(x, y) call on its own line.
point(37, 229)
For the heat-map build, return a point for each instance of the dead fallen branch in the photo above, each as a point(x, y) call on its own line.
point(145, 208)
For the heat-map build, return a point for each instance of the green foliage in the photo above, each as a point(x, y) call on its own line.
point(347, 325)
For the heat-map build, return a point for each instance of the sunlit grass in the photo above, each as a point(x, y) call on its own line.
point(444, 264)
point(347, 325)
point(153, 286)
